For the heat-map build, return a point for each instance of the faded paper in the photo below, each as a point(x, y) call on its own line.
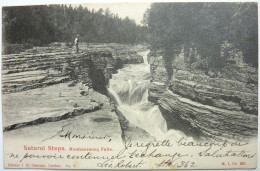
point(86, 88)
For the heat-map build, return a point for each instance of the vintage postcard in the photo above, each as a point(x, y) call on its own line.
point(144, 85)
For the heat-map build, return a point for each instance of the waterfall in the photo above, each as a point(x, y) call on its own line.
point(129, 90)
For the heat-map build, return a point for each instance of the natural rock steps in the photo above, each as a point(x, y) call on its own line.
point(206, 121)
point(35, 89)
point(99, 123)
point(33, 64)
point(76, 112)
point(49, 61)
point(223, 106)
point(54, 102)
point(12, 87)
point(218, 97)
point(46, 68)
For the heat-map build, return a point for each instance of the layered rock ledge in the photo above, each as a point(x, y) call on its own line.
point(37, 93)
point(204, 106)
point(42, 66)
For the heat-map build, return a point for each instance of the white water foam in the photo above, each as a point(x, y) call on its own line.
point(129, 89)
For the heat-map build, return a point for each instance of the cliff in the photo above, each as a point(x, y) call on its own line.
point(42, 66)
point(36, 89)
point(213, 106)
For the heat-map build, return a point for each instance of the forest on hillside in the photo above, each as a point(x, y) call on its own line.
point(40, 25)
point(214, 31)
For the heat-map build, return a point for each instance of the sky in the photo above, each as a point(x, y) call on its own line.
point(132, 10)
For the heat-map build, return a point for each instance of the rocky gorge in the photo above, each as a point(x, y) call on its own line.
point(222, 105)
point(42, 66)
point(37, 91)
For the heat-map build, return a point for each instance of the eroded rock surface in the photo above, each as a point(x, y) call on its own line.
point(89, 120)
point(204, 106)
point(49, 104)
point(37, 93)
point(42, 66)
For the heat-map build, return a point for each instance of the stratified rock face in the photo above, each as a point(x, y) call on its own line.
point(28, 98)
point(44, 114)
point(42, 66)
point(106, 59)
point(48, 104)
point(204, 107)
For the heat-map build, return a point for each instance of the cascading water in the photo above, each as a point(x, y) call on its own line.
point(129, 90)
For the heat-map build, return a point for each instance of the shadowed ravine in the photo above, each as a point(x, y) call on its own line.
point(129, 90)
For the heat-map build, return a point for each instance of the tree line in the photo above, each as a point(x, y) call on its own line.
point(39, 25)
point(204, 28)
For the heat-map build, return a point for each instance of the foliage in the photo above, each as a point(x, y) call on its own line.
point(40, 25)
point(203, 27)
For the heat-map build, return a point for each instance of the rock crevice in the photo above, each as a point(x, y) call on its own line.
point(36, 90)
point(42, 66)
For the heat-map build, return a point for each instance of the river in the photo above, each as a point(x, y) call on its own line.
point(128, 88)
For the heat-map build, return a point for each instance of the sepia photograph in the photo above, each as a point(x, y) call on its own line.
point(130, 85)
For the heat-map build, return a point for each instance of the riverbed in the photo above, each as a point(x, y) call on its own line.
point(128, 89)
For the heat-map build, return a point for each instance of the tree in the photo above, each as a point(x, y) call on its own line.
point(40, 25)
point(204, 27)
